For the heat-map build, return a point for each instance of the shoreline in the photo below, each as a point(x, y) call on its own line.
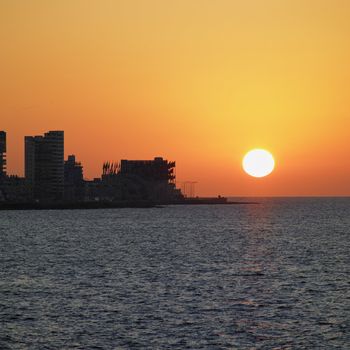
point(117, 204)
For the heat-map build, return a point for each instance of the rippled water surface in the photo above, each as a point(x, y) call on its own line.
point(269, 276)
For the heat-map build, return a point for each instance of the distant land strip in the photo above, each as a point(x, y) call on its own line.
point(115, 204)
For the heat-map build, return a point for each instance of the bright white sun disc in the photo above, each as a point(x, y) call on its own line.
point(258, 163)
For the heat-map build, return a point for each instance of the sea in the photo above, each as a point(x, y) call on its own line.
point(269, 275)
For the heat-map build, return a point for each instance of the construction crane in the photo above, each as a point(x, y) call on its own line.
point(187, 188)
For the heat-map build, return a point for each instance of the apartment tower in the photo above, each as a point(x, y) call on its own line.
point(44, 165)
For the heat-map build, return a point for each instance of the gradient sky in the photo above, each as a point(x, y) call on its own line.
point(197, 81)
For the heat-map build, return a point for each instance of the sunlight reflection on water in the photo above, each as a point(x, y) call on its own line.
point(272, 275)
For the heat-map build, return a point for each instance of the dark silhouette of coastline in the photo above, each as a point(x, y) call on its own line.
point(76, 205)
point(116, 204)
point(51, 182)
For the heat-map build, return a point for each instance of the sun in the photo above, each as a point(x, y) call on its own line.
point(258, 163)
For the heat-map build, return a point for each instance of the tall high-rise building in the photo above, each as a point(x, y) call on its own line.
point(44, 165)
point(2, 154)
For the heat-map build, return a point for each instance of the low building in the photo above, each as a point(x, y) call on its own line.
point(73, 180)
point(14, 189)
point(2, 154)
point(158, 169)
point(139, 180)
point(93, 190)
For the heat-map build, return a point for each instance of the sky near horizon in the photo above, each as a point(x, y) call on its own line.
point(197, 81)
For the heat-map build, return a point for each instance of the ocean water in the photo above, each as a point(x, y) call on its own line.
point(273, 275)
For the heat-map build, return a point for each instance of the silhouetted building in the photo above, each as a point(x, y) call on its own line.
point(93, 190)
point(44, 165)
point(2, 154)
point(14, 189)
point(73, 180)
point(158, 169)
point(138, 180)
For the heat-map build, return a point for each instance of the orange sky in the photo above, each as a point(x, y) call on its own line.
point(196, 81)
